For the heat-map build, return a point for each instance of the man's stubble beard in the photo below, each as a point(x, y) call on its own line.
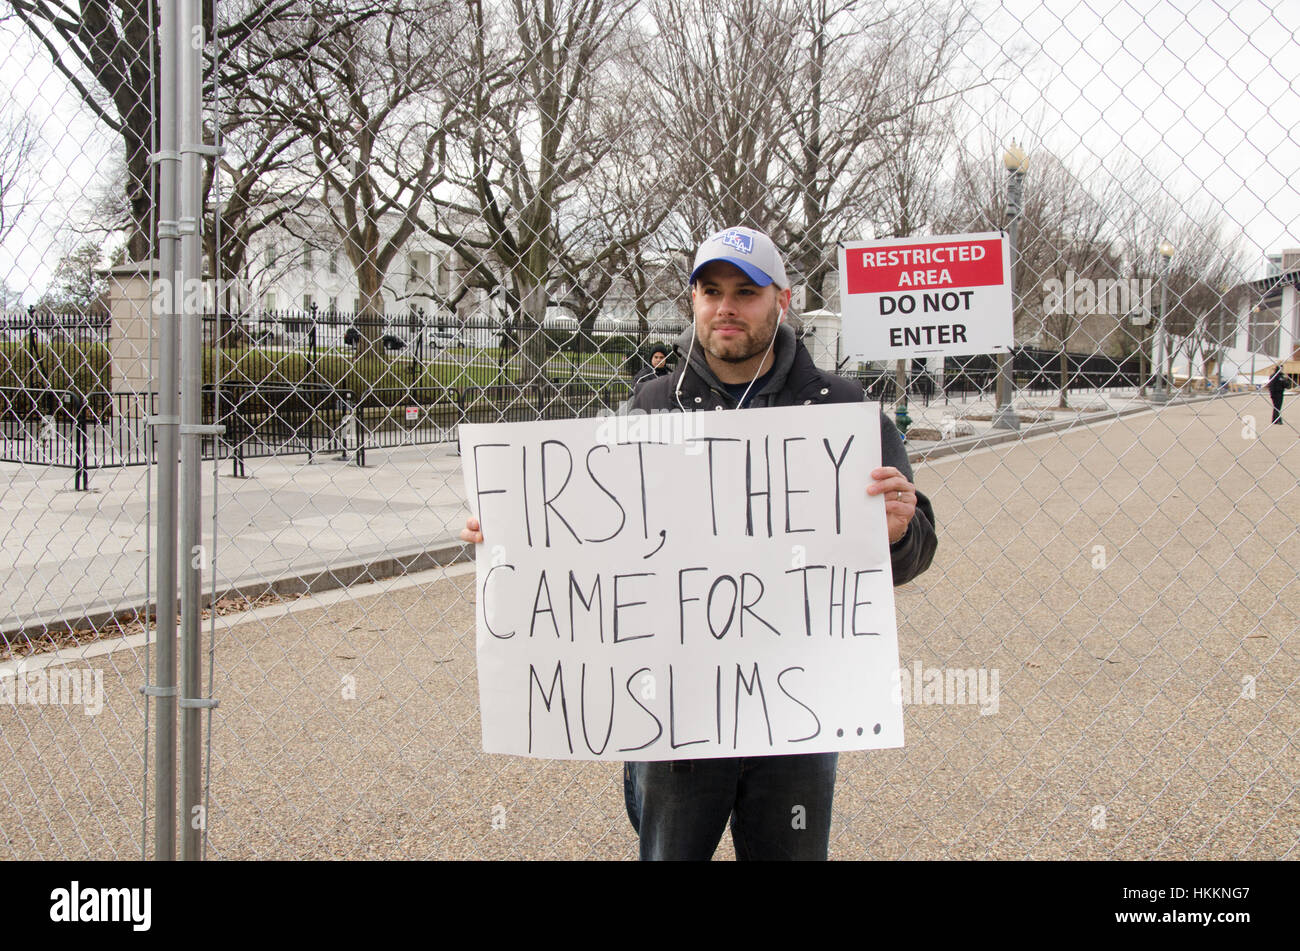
point(753, 345)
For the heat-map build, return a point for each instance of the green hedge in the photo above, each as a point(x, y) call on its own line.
point(373, 379)
point(55, 365)
point(388, 379)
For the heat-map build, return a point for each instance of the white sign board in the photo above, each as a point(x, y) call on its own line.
point(920, 297)
point(683, 586)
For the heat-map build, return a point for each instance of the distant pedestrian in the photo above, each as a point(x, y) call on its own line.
point(1278, 383)
point(658, 365)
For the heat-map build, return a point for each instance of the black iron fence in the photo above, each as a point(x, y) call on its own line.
point(51, 351)
point(382, 358)
point(34, 326)
point(75, 430)
point(1033, 372)
point(324, 383)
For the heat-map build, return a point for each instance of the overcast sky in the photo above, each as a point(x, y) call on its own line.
point(1205, 94)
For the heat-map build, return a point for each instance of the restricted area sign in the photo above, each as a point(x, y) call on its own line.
point(919, 297)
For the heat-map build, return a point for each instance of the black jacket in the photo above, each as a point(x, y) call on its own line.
point(796, 381)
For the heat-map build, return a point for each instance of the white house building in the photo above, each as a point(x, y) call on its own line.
point(1267, 327)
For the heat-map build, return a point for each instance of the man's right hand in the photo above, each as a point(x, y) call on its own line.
point(472, 532)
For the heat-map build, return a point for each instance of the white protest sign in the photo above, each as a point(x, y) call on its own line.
point(919, 297)
point(683, 586)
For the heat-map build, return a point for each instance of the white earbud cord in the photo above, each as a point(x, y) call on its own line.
point(677, 392)
point(770, 344)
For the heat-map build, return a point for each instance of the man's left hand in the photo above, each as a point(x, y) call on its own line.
point(900, 499)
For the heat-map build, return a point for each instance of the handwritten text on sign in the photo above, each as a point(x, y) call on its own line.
point(921, 297)
point(682, 586)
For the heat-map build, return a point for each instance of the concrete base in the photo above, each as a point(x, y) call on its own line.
point(1006, 417)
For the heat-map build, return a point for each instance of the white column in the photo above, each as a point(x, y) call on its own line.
point(1289, 320)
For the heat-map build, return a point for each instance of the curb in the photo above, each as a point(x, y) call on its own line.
point(312, 580)
point(383, 565)
point(992, 438)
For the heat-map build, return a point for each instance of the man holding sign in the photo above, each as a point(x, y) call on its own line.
point(741, 354)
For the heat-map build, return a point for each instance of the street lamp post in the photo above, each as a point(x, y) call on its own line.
point(1015, 162)
point(1220, 336)
point(1161, 392)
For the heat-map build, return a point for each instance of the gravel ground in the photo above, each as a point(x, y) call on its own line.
point(1122, 579)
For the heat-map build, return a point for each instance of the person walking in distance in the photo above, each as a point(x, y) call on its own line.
point(1278, 383)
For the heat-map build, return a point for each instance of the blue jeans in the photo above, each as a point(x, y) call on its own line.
point(779, 806)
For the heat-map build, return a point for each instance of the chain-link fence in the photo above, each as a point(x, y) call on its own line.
point(296, 246)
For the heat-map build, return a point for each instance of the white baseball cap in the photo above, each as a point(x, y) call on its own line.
point(751, 251)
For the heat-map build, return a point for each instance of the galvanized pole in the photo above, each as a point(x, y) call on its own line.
point(1162, 393)
point(1005, 417)
point(1164, 294)
point(166, 425)
point(195, 559)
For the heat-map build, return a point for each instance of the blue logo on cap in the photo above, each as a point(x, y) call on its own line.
point(736, 239)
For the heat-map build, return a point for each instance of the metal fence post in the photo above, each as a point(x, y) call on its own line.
point(192, 430)
point(167, 423)
point(1014, 160)
point(357, 430)
point(81, 477)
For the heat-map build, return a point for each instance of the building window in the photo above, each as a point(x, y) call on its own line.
point(270, 255)
point(306, 302)
point(419, 263)
point(1265, 330)
point(270, 300)
point(334, 262)
point(306, 258)
point(441, 274)
point(334, 305)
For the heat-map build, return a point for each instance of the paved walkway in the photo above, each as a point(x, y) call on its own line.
point(1134, 583)
point(70, 555)
point(80, 558)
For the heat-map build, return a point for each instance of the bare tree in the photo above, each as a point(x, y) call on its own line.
point(782, 114)
point(869, 110)
point(1205, 276)
point(1065, 228)
point(535, 127)
point(107, 50)
point(371, 104)
point(1149, 217)
point(718, 70)
point(608, 243)
point(18, 150)
point(1205, 269)
point(253, 186)
point(10, 299)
